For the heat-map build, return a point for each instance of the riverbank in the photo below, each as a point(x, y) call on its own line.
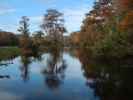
point(9, 52)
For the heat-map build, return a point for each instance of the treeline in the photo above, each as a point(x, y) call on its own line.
point(49, 37)
point(107, 30)
point(8, 39)
point(53, 26)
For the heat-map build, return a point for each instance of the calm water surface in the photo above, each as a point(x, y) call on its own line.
point(45, 78)
point(64, 76)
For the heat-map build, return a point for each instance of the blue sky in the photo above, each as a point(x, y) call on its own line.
point(12, 10)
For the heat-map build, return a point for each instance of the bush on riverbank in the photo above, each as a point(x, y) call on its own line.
point(8, 39)
point(9, 53)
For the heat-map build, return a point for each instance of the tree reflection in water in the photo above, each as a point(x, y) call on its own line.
point(55, 71)
point(109, 81)
point(5, 62)
point(25, 67)
point(26, 61)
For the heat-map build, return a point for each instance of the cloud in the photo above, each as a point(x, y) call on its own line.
point(9, 27)
point(6, 10)
point(36, 19)
point(74, 18)
point(35, 22)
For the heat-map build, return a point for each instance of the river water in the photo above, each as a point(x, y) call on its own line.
point(67, 77)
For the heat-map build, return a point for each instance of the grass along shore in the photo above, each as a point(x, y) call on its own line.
point(9, 52)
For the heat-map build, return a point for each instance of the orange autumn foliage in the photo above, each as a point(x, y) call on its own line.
point(75, 38)
point(127, 22)
point(126, 4)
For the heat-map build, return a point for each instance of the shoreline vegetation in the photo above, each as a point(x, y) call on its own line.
point(11, 52)
point(105, 33)
point(7, 53)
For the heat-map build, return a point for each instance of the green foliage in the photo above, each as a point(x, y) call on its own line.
point(107, 32)
point(115, 45)
point(27, 45)
point(9, 53)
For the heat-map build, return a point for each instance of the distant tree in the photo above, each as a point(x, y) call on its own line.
point(74, 38)
point(25, 41)
point(53, 24)
point(38, 34)
point(8, 39)
point(38, 38)
point(24, 26)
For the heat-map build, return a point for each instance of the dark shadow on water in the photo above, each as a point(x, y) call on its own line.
point(5, 61)
point(4, 76)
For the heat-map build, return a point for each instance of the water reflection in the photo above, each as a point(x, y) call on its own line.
point(4, 76)
point(109, 81)
point(5, 62)
point(75, 77)
point(25, 62)
point(25, 67)
point(55, 71)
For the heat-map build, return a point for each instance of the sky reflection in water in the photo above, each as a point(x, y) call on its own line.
point(47, 78)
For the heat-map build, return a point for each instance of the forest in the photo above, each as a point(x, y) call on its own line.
point(106, 32)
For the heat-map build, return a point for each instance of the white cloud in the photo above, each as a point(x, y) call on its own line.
point(35, 22)
point(74, 18)
point(36, 19)
point(6, 11)
point(9, 27)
